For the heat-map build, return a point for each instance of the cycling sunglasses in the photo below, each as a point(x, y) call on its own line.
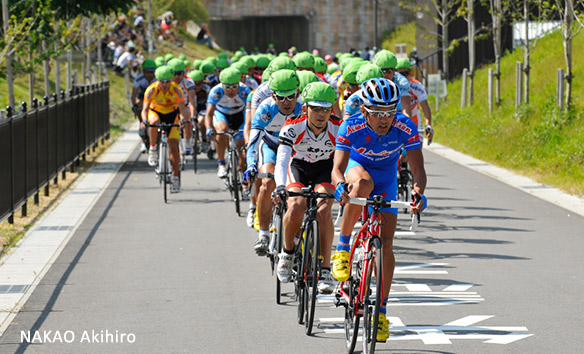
point(387, 71)
point(165, 81)
point(292, 97)
point(380, 114)
point(149, 71)
point(230, 87)
point(405, 72)
point(179, 73)
point(321, 109)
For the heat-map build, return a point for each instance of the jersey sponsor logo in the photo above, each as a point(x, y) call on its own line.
point(216, 95)
point(402, 126)
point(291, 133)
point(414, 138)
point(383, 153)
point(265, 117)
point(367, 139)
point(344, 140)
point(355, 128)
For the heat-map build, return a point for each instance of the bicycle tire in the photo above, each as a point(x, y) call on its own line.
point(352, 318)
point(234, 181)
point(371, 310)
point(299, 281)
point(195, 145)
point(312, 253)
point(277, 221)
point(163, 165)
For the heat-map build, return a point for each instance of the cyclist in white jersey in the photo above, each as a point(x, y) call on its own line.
point(305, 157)
point(188, 87)
point(419, 99)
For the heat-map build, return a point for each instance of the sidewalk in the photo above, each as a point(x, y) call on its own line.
point(24, 266)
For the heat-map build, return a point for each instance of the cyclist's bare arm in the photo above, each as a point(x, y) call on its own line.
point(427, 116)
point(416, 161)
point(193, 102)
point(341, 159)
point(406, 105)
point(247, 126)
point(209, 116)
point(145, 108)
point(134, 95)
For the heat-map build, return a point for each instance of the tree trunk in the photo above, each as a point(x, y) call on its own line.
point(445, 39)
point(471, 51)
point(527, 53)
point(9, 77)
point(568, 21)
point(496, 14)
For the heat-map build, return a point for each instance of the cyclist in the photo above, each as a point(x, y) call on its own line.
point(387, 61)
point(188, 87)
point(202, 89)
point(354, 102)
point(309, 141)
point(349, 81)
point(365, 164)
point(304, 61)
point(419, 97)
point(163, 102)
point(261, 150)
point(141, 83)
point(225, 110)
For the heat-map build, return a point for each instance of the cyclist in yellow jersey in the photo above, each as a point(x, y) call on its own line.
point(163, 102)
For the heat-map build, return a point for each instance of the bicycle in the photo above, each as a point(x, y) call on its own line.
point(164, 168)
point(360, 298)
point(405, 181)
point(233, 180)
point(307, 258)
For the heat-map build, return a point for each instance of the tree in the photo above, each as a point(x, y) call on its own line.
point(566, 12)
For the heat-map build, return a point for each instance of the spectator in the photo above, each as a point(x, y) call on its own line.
point(127, 59)
point(365, 55)
point(204, 36)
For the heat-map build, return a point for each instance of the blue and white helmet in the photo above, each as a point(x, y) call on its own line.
point(379, 92)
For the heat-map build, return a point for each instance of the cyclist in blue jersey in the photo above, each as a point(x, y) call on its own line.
point(387, 61)
point(365, 164)
point(225, 111)
point(263, 144)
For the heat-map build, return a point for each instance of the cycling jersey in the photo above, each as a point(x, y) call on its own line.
point(261, 93)
point(402, 83)
point(212, 79)
point(202, 97)
point(298, 141)
point(187, 84)
point(250, 82)
point(266, 124)
point(418, 94)
point(141, 83)
point(373, 151)
point(164, 102)
point(224, 103)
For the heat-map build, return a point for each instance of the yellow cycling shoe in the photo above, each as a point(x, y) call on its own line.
point(256, 222)
point(382, 328)
point(340, 268)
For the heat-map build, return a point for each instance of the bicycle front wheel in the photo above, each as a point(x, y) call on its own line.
point(163, 167)
point(234, 180)
point(311, 255)
point(352, 317)
point(277, 248)
point(196, 146)
point(299, 280)
point(372, 297)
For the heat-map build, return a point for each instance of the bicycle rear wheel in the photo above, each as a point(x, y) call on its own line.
point(299, 281)
point(234, 180)
point(372, 297)
point(196, 146)
point(163, 167)
point(277, 246)
point(311, 255)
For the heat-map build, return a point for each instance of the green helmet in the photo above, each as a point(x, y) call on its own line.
point(176, 65)
point(284, 82)
point(196, 75)
point(403, 63)
point(164, 73)
point(283, 54)
point(212, 60)
point(241, 66)
point(368, 71)
point(222, 63)
point(262, 61)
point(168, 57)
point(207, 68)
point(350, 72)
point(319, 94)
point(159, 62)
point(306, 77)
point(319, 65)
point(222, 55)
point(182, 57)
point(248, 60)
point(304, 61)
point(230, 76)
point(331, 69)
point(266, 74)
point(149, 64)
point(282, 63)
point(197, 63)
point(385, 59)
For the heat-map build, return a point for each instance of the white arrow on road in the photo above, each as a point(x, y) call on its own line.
point(460, 329)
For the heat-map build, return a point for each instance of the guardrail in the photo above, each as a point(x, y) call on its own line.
point(37, 144)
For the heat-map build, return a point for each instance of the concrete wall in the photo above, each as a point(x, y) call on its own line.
point(335, 25)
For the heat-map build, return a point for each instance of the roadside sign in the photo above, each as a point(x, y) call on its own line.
point(436, 86)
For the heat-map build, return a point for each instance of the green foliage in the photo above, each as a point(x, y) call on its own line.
point(536, 140)
point(68, 9)
point(404, 34)
point(183, 10)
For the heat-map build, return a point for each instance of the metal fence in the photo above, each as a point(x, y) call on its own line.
point(37, 144)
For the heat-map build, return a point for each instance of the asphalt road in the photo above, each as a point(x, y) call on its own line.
point(490, 270)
